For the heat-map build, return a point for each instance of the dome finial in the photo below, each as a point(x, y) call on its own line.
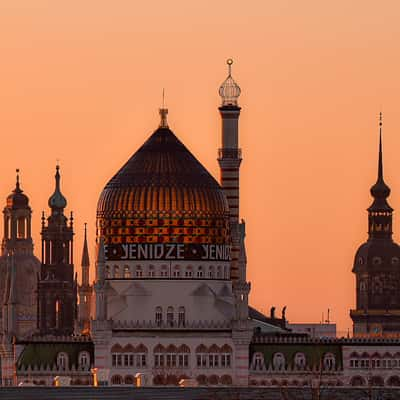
point(229, 90)
point(163, 112)
point(57, 200)
point(17, 187)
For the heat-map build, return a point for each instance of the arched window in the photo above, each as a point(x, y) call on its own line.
point(159, 360)
point(139, 272)
point(189, 272)
point(158, 316)
point(141, 356)
point(211, 272)
point(258, 362)
point(116, 355)
point(84, 359)
point(116, 380)
point(116, 273)
point(329, 361)
point(107, 271)
point(170, 316)
point(226, 380)
point(393, 381)
point(200, 272)
point(376, 381)
point(219, 272)
point(278, 362)
point(164, 271)
point(129, 380)
point(62, 360)
point(201, 356)
point(177, 271)
point(181, 316)
point(183, 356)
point(226, 356)
point(127, 272)
point(300, 361)
point(152, 272)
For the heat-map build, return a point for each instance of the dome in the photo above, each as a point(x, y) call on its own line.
point(57, 199)
point(163, 195)
point(17, 199)
point(377, 255)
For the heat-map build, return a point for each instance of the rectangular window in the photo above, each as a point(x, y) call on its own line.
point(173, 357)
point(198, 358)
point(216, 360)
point(228, 360)
point(131, 360)
point(186, 360)
point(114, 360)
point(180, 360)
point(143, 360)
point(223, 360)
point(211, 361)
point(126, 360)
point(204, 361)
point(119, 360)
point(161, 360)
point(156, 360)
point(168, 360)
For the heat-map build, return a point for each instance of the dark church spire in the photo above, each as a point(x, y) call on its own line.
point(380, 212)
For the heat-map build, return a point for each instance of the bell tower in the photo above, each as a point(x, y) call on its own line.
point(57, 288)
point(17, 223)
point(376, 267)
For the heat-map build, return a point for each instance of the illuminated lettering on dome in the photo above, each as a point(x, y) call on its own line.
point(172, 251)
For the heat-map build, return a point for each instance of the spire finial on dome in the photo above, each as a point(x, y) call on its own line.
point(229, 90)
point(380, 162)
point(380, 191)
point(17, 184)
point(163, 112)
point(57, 200)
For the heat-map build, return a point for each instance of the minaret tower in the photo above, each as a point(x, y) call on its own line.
point(85, 290)
point(57, 289)
point(230, 158)
point(376, 267)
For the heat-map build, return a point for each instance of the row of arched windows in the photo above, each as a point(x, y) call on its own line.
point(63, 361)
point(214, 356)
point(171, 318)
point(129, 356)
point(373, 361)
point(164, 271)
point(299, 362)
point(393, 380)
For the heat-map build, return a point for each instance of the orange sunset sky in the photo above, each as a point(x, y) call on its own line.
point(81, 81)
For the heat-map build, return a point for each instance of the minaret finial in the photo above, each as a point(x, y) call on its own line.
point(229, 90)
point(229, 61)
point(163, 112)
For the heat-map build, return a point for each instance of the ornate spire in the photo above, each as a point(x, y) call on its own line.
point(229, 90)
point(17, 187)
point(380, 191)
point(57, 200)
point(85, 252)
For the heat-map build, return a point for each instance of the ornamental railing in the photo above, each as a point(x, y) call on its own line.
point(163, 325)
point(234, 154)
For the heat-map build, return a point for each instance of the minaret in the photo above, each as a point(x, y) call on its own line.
point(230, 157)
point(85, 290)
point(376, 267)
point(101, 311)
point(57, 287)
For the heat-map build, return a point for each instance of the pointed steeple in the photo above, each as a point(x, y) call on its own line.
point(85, 261)
point(380, 191)
point(57, 201)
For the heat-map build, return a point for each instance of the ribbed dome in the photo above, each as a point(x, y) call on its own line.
point(163, 186)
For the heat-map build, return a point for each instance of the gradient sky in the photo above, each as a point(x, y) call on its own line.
point(82, 82)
